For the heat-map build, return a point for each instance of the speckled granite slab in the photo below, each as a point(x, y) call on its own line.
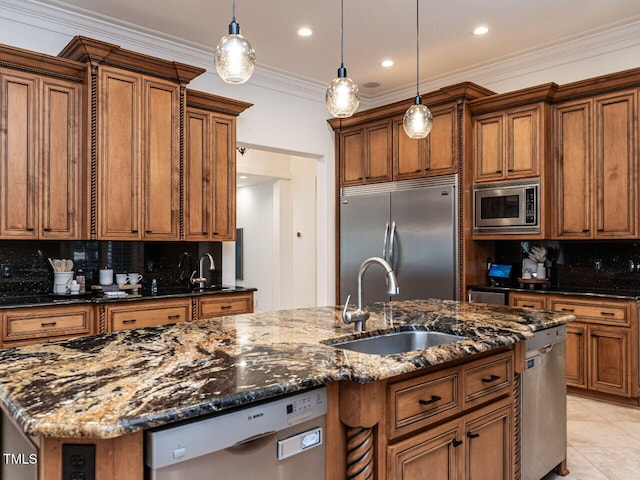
point(109, 385)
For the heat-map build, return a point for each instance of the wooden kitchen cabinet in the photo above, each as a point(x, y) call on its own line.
point(595, 167)
point(210, 167)
point(528, 300)
point(138, 184)
point(509, 144)
point(40, 158)
point(218, 305)
point(477, 446)
point(146, 313)
point(24, 326)
point(602, 345)
point(135, 103)
point(365, 153)
point(437, 154)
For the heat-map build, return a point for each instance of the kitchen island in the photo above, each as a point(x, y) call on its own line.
point(107, 389)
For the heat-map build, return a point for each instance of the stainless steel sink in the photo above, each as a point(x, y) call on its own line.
point(398, 342)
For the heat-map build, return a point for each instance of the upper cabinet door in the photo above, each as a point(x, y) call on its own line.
point(573, 170)
point(61, 210)
point(378, 153)
point(442, 142)
point(523, 142)
point(161, 160)
point(224, 178)
point(409, 155)
point(18, 155)
point(488, 147)
point(615, 163)
point(118, 185)
point(197, 172)
point(352, 153)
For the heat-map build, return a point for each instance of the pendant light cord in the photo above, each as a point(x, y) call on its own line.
point(417, 48)
point(342, 33)
point(233, 13)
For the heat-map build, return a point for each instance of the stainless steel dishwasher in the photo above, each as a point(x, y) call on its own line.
point(544, 403)
point(278, 440)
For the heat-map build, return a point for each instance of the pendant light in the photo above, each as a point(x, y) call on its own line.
point(417, 120)
point(234, 57)
point(342, 97)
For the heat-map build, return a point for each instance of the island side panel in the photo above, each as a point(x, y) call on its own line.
point(118, 458)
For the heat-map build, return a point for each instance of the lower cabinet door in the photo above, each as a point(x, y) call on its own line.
point(577, 355)
point(609, 360)
point(435, 454)
point(488, 437)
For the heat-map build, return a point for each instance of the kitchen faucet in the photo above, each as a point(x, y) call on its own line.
point(201, 279)
point(360, 316)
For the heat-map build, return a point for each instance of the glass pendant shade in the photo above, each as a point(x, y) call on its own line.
point(342, 97)
point(417, 120)
point(234, 58)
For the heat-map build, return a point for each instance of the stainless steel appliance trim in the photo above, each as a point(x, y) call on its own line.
point(440, 181)
point(507, 225)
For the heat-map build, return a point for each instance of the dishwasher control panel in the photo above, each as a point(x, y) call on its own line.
point(305, 406)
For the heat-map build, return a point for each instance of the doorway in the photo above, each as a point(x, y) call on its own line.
point(276, 219)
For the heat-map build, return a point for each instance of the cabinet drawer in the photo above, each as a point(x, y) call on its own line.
point(486, 379)
point(528, 301)
point(122, 318)
point(220, 305)
point(418, 401)
point(35, 323)
point(598, 312)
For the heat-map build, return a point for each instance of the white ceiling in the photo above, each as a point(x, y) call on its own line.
point(374, 30)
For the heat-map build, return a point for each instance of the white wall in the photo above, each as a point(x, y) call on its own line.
point(255, 216)
point(295, 121)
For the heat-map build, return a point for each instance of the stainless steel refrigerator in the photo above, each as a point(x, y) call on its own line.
point(411, 224)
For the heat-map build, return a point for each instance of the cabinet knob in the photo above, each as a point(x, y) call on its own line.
point(472, 435)
point(134, 231)
point(417, 171)
point(499, 171)
point(456, 442)
point(148, 231)
point(511, 170)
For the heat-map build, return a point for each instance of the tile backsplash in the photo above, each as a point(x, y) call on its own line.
point(585, 264)
point(26, 270)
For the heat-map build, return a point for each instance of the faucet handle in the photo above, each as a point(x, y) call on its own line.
point(346, 316)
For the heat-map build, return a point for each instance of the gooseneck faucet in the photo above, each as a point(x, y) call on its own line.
point(360, 316)
point(201, 279)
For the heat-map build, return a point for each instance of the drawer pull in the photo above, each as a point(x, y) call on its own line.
point(472, 435)
point(225, 307)
point(129, 321)
point(48, 324)
point(529, 306)
point(433, 399)
point(456, 442)
point(492, 378)
point(173, 317)
point(607, 314)
point(570, 310)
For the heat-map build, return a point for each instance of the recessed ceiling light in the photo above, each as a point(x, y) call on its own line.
point(305, 32)
point(371, 85)
point(481, 30)
point(387, 63)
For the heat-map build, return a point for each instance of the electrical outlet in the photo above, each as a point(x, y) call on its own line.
point(78, 462)
point(7, 270)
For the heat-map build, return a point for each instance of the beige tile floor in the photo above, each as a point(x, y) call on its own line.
point(603, 441)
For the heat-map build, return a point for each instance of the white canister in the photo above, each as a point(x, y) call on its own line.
point(541, 271)
point(106, 276)
point(61, 282)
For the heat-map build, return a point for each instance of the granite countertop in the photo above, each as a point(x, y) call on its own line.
point(109, 385)
point(27, 301)
point(598, 292)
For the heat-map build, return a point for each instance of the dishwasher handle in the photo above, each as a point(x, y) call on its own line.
point(253, 438)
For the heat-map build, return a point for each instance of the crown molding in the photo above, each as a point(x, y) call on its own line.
point(71, 22)
point(601, 43)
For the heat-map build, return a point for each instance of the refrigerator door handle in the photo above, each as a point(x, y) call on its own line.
point(392, 240)
point(384, 245)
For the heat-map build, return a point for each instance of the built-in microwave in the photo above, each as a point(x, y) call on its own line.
point(507, 207)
